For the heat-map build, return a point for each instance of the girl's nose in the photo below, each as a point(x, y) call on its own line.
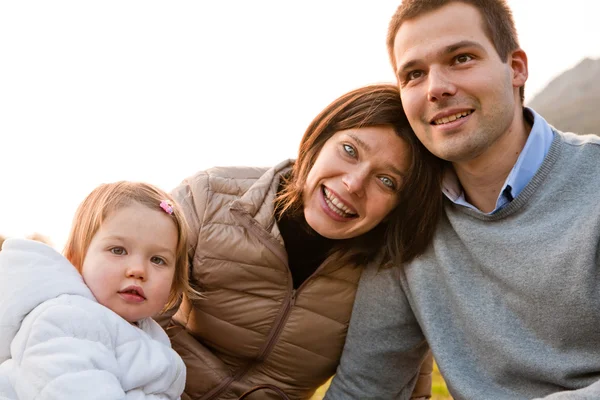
point(136, 270)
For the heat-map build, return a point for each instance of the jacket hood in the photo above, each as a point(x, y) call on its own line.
point(30, 274)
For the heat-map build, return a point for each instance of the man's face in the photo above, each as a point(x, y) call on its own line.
point(458, 95)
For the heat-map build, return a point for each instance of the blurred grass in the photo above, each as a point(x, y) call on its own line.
point(439, 391)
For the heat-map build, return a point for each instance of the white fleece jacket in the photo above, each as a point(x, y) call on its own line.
point(58, 342)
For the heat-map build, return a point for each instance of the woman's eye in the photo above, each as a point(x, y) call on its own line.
point(158, 260)
point(388, 182)
point(350, 150)
point(118, 251)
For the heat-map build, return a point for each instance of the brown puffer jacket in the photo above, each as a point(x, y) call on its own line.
point(252, 327)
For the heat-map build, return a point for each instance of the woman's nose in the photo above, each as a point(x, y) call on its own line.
point(355, 181)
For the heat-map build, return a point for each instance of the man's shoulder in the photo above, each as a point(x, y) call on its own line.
point(576, 139)
point(578, 156)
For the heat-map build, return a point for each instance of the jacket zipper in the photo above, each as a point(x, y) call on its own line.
point(276, 248)
point(272, 339)
point(249, 223)
point(290, 301)
point(224, 385)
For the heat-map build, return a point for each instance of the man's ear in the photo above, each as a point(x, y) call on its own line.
point(520, 71)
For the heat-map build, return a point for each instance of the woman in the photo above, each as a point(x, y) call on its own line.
point(278, 252)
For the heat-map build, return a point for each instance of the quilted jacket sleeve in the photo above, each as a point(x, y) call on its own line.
point(66, 353)
point(191, 195)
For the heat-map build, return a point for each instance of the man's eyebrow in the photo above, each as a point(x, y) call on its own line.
point(366, 147)
point(405, 67)
point(459, 45)
point(446, 50)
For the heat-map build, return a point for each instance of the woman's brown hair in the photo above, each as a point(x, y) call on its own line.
point(408, 229)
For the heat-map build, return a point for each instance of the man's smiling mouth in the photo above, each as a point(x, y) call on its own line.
point(451, 118)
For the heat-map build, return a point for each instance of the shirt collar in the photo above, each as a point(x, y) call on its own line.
point(531, 158)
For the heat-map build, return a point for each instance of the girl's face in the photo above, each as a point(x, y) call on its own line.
point(354, 181)
point(130, 262)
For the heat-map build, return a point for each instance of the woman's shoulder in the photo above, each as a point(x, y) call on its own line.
point(231, 179)
point(239, 172)
point(235, 172)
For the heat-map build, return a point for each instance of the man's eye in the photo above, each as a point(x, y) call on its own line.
point(118, 251)
point(412, 75)
point(463, 58)
point(350, 150)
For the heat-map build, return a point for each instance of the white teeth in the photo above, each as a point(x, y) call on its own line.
point(450, 118)
point(336, 205)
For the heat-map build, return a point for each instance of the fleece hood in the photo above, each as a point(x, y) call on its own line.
point(31, 273)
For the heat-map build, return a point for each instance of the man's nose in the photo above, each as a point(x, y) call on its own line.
point(439, 85)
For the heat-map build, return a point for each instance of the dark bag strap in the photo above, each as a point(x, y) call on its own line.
point(273, 388)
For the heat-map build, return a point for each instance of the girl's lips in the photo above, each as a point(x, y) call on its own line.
point(131, 297)
point(332, 214)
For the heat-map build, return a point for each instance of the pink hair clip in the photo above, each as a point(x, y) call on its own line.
point(165, 205)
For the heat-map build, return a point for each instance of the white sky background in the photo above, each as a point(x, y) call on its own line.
point(94, 92)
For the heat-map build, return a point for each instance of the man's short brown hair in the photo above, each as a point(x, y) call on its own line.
point(499, 25)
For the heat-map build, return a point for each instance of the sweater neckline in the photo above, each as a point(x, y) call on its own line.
point(523, 197)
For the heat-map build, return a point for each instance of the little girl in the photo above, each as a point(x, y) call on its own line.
point(80, 327)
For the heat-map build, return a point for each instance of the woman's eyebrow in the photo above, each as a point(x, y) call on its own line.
point(360, 142)
point(366, 147)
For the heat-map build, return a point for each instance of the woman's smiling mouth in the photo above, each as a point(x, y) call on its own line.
point(336, 205)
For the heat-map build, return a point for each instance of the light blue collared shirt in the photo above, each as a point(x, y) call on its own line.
point(529, 161)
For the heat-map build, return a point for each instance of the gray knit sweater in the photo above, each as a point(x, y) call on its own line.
point(509, 303)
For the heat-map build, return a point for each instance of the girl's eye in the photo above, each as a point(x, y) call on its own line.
point(118, 251)
point(158, 260)
point(350, 150)
point(388, 182)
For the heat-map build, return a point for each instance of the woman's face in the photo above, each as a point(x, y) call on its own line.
point(354, 181)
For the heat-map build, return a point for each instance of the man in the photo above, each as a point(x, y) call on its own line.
point(508, 294)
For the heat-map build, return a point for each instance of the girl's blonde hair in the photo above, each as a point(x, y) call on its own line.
point(110, 197)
